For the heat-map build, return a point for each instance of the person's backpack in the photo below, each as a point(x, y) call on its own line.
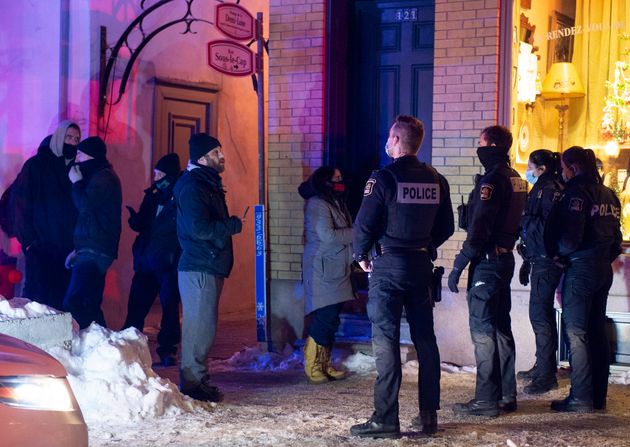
point(7, 214)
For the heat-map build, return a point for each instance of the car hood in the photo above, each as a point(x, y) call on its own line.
point(19, 358)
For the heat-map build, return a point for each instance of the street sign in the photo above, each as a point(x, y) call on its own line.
point(230, 58)
point(234, 21)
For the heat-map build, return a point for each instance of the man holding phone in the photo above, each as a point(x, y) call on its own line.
point(205, 230)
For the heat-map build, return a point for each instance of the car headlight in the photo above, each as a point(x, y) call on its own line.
point(36, 393)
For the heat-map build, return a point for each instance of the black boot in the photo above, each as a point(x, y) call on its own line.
point(527, 375)
point(508, 404)
point(477, 408)
point(427, 420)
point(541, 385)
point(373, 429)
point(572, 405)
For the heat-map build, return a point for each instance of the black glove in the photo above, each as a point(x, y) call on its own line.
point(235, 224)
point(523, 273)
point(460, 263)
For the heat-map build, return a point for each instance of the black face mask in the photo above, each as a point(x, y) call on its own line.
point(162, 184)
point(69, 151)
point(486, 154)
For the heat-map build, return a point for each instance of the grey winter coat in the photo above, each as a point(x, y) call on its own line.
point(327, 260)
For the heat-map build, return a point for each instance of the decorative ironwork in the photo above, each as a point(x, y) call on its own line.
point(139, 24)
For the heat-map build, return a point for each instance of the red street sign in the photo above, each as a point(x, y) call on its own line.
point(230, 58)
point(234, 21)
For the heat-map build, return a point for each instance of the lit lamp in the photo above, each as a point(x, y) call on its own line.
point(561, 82)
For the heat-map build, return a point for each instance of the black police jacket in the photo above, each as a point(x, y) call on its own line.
point(406, 205)
point(156, 247)
point(495, 207)
point(204, 227)
point(535, 233)
point(586, 224)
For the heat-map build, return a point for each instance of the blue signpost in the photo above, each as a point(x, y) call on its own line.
point(261, 273)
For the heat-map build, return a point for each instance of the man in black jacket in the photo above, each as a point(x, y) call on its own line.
point(495, 207)
point(155, 255)
point(45, 215)
point(205, 230)
point(97, 196)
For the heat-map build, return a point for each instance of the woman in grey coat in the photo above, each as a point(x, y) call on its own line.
point(326, 268)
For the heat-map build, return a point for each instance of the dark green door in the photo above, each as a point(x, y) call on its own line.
point(390, 73)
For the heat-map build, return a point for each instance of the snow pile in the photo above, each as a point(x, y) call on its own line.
point(360, 363)
point(21, 308)
point(111, 376)
point(455, 369)
point(620, 378)
point(256, 359)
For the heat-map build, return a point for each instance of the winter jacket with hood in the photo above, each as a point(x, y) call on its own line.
point(45, 215)
point(327, 260)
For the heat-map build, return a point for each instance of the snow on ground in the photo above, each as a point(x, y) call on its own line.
point(20, 308)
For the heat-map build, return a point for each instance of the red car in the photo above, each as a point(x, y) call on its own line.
point(37, 407)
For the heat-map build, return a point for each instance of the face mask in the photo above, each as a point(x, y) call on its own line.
point(388, 149)
point(69, 150)
point(531, 178)
point(485, 154)
point(338, 187)
point(162, 184)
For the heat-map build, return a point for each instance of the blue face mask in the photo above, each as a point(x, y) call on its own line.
point(531, 178)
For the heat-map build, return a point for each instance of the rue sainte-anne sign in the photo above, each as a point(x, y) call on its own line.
point(229, 57)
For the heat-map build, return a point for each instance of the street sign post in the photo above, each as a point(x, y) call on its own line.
point(234, 21)
point(230, 58)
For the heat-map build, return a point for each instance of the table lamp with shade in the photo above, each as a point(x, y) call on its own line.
point(562, 82)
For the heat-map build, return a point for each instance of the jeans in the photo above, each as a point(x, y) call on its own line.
point(545, 278)
point(324, 323)
point(85, 293)
point(144, 288)
point(397, 282)
point(584, 297)
point(489, 305)
point(200, 292)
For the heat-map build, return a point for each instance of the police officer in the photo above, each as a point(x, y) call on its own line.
point(406, 213)
point(543, 173)
point(589, 239)
point(495, 208)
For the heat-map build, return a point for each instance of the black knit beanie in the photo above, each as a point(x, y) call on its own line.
point(169, 165)
point(200, 144)
point(94, 147)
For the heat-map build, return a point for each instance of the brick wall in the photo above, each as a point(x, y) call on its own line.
point(295, 120)
point(464, 93)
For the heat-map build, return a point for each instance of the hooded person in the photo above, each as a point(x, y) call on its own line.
point(97, 196)
point(204, 230)
point(156, 251)
point(44, 215)
point(328, 244)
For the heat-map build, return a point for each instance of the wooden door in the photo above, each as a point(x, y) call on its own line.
point(180, 111)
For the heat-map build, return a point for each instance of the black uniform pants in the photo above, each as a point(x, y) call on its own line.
point(145, 286)
point(545, 278)
point(489, 305)
point(324, 323)
point(400, 282)
point(584, 297)
point(46, 277)
point(87, 283)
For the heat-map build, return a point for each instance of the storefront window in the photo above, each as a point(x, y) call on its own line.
point(571, 84)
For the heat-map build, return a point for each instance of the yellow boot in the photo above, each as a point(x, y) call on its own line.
point(328, 368)
point(313, 366)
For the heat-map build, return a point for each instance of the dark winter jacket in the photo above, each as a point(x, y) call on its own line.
point(535, 233)
point(204, 227)
point(98, 198)
point(45, 215)
point(156, 248)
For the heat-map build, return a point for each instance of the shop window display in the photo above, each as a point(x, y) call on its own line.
point(571, 84)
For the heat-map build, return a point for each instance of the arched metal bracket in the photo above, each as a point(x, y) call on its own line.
point(137, 24)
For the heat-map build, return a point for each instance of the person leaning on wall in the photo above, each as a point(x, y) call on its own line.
point(45, 215)
point(326, 268)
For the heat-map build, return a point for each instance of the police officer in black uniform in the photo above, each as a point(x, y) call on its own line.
point(538, 253)
point(406, 214)
point(589, 239)
point(494, 212)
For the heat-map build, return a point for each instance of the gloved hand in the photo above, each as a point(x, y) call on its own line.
point(235, 224)
point(523, 273)
point(72, 256)
point(460, 263)
point(74, 174)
